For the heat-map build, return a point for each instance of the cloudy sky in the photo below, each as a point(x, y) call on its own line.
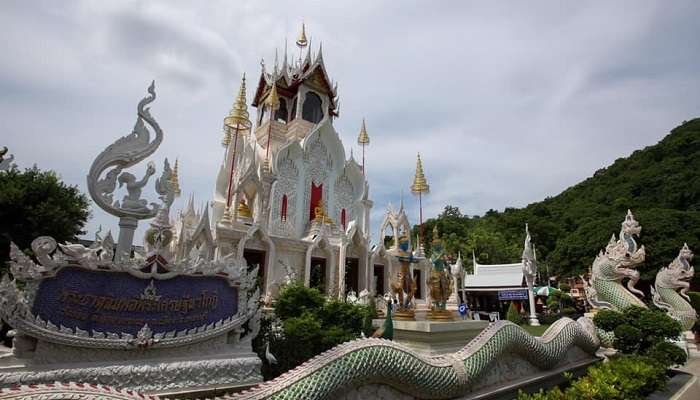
point(507, 103)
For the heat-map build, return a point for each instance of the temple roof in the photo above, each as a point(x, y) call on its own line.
point(288, 78)
point(495, 276)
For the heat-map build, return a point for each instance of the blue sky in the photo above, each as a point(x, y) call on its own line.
point(507, 103)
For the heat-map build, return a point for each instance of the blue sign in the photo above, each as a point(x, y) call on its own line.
point(120, 302)
point(463, 309)
point(514, 294)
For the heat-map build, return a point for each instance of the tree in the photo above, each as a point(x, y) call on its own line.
point(36, 203)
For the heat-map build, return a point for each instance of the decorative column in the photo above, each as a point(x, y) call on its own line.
point(456, 272)
point(420, 186)
point(530, 271)
point(341, 268)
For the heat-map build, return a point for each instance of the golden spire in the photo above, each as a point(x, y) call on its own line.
point(175, 179)
point(301, 40)
point(420, 184)
point(238, 117)
point(364, 137)
point(273, 100)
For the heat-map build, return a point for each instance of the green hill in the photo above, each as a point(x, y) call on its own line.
point(660, 184)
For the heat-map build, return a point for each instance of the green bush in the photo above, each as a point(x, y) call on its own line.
point(628, 338)
point(607, 320)
point(668, 354)
point(296, 299)
point(695, 300)
point(513, 315)
point(627, 377)
point(310, 325)
point(565, 287)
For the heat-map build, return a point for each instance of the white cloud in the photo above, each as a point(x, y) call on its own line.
point(506, 103)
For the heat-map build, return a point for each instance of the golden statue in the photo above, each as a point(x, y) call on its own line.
point(320, 214)
point(244, 210)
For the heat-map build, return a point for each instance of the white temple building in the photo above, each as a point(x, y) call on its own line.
point(288, 197)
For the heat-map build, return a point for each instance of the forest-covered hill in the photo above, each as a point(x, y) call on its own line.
point(660, 184)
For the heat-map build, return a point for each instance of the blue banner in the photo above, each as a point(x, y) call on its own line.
point(514, 294)
point(119, 302)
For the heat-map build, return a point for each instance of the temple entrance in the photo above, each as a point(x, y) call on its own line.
point(352, 269)
point(256, 258)
point(317, 278)
point(418, 278)
point(379, 279)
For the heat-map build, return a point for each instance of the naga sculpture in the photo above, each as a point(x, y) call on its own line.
point(365, 361)
point(125, 153)
point(666, 294)
point(616, 264)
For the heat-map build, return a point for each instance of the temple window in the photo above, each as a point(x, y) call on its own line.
point(312, 111)
point(343, 218)
point(263, 114)
point(281, 113)
point(316, 196)
point(293, 114)
point(283, 212)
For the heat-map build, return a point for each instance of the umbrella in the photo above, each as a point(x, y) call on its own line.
point(544, 290)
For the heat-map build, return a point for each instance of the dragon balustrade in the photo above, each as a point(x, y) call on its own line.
point(378, 361)
point(670, 289)
point(612, 266)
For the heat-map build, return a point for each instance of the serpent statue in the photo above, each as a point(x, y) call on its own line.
point(611, 267)
point(372, 360)
point(665, 292)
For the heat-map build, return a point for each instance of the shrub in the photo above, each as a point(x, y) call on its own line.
point(607, 320)
point(695, 300)
point(668, 354)
point(548, 319)
point(565, 287)
point(513, 315)
point(568, 311)
point(628, 338)
point(295, 299)
point(627, 377)
point(310, 325)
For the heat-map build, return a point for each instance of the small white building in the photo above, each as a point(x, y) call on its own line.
point(491, 287)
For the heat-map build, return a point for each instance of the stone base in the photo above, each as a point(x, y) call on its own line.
point(404, 315)
point(440, 315)
point(151, 376)
point(433, 337)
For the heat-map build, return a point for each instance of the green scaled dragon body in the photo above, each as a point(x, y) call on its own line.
point(615, 264)
point(366, 361)
point(669, 280)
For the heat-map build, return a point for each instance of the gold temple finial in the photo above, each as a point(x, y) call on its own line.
point(364, 137)
point(420, 184)
point(273, 100)
point(238, 118)
point(175, 179)
point(301, 40)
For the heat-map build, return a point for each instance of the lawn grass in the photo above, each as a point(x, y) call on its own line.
point(535, 330)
